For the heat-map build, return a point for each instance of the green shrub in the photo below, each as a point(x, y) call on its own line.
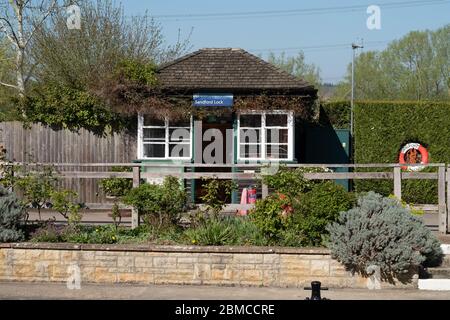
point(213, 232)
point(12, 212)
point(379, 231)
point(63, 203)
point(226, 231)
point(268, 216)
point(36, 184)
point(117, 187)
point(50, 232)
point(318, 207)
point(98, 234)
point(214, 189)
point(246, 232)
point(290, 182)
point(162, 204)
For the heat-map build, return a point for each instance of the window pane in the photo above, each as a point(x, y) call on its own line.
point(154, 150)
point(277, 135)
point(179, 150)
point(250, 151)
point(150, 121)
point(250, 120)
point(276, 120)
point(277, 151)
point(250, 135)
point(179, 135)
point(154, 134)
point(180, 123)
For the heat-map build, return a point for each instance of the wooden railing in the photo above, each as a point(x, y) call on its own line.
point(253, 171)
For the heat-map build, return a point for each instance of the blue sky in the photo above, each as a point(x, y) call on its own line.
point(293, 31)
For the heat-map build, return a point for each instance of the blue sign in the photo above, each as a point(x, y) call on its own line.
point(213, 100)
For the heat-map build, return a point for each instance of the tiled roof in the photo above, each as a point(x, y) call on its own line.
point(227, 69)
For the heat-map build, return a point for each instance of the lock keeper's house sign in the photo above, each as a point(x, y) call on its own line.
point(413, 153)
point(213, 100)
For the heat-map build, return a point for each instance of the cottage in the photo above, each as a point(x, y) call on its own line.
point(243, 109)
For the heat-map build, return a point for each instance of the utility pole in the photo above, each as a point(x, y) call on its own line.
point(354, 47)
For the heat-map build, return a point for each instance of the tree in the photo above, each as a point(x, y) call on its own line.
point(78, 68)
point(6, 67)
point(415, 67)
point(84, 58)
point(297, 66)
point(19, 21)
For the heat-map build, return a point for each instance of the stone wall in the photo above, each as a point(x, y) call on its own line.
point(232, 266)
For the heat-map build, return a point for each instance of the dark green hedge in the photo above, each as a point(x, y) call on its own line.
point(382, 128)
point(336, 113)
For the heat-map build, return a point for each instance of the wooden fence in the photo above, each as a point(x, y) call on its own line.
point(45, 145)
point(254, 171)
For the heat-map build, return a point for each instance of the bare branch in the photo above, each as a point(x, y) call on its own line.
point(8, 85)
point(50, 9)
point(10, 35)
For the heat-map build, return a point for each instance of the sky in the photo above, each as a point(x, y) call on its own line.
point(325, 34)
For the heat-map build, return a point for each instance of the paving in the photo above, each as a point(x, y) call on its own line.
point(40, 291)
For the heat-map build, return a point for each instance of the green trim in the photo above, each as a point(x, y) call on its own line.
point(235, 193)
point(193, 184)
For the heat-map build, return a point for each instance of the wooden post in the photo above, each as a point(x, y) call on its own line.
point(441, 201)
point(134, 212)
point(398, 182)
point(265, 191)
point(448, 199)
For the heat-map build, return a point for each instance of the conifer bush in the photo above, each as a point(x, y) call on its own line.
point(380, 231)
point(11, 213)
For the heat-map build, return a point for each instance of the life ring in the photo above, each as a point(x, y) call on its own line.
point(413, 153)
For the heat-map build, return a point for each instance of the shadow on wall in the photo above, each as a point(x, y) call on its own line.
point(321, 143)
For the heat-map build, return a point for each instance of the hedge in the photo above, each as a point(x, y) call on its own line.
point(336, 113)
point(383, 128)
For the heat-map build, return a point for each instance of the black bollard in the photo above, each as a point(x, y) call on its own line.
point(315, 291)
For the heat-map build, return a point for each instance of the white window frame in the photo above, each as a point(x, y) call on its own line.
point(263, 139)
point(166, 142)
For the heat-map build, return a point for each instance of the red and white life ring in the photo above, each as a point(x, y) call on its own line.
point(413, 153)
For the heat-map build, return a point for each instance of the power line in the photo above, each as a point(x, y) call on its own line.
point(320, 47)
point(293, 12)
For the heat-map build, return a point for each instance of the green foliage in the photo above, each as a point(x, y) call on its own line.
point(290, 182)
point(49, 232)
point(297, 66)
point(380, 232)
point(115, 215)
point(214, 188)
point(12, 212)
point(52, 232)
point(298, 215)
point(407, 205)
point(63, 203)
point(7, 169)
point(161, 203)
point(399, 123)
point(336, 113)
point(36, 183)
point(315, 209)
point(98, 234)
point(267, 216)
point(138, 72)
point(226, 231)
point(64, 107)
point(117, 187)
point(415, 67)
point(213, 232)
